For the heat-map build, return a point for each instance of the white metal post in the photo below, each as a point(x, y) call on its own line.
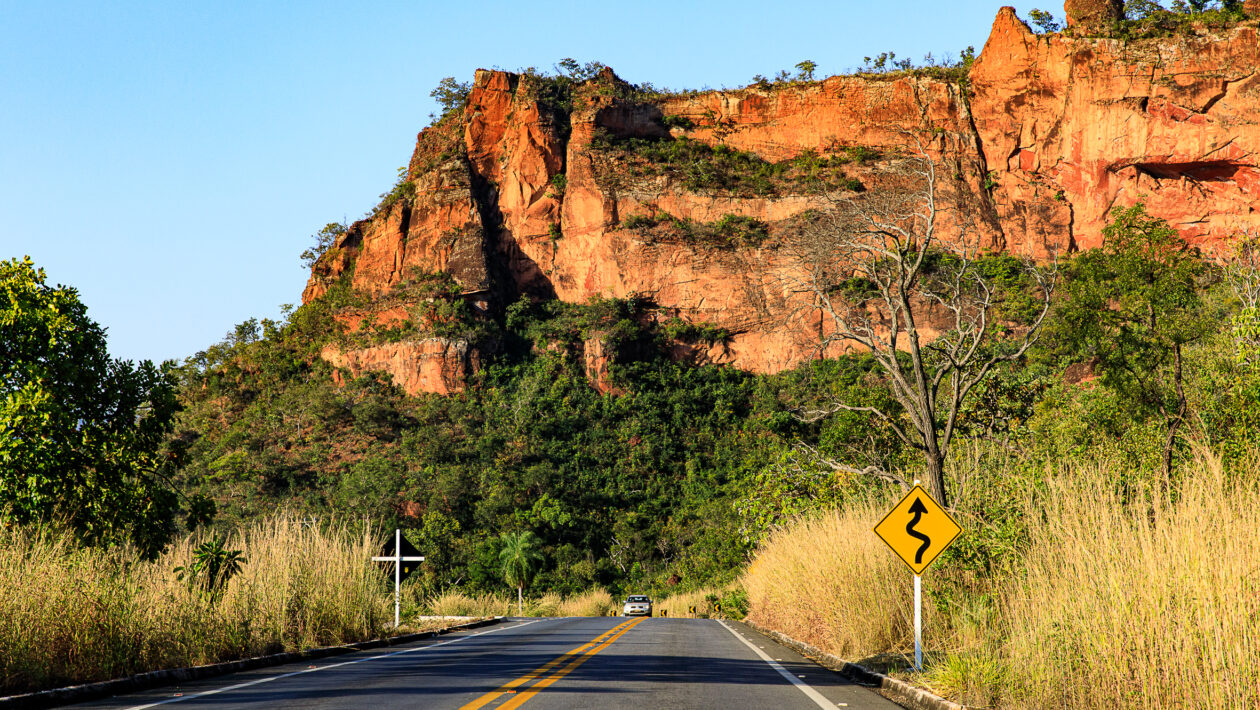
point(397, 559)
point(398, 578)
point(918, 619)
point(918, 624)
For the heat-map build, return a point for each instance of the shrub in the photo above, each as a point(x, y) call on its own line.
point(639, 221)
point(404, 190)
point(1148, 19)
point(703, 167)
point(1044, 21)
point(678, 329)
point(324, 239)
point(558, 183)
point(737, 229)
point(678, 122)
point(729, 231)
point(887, 65)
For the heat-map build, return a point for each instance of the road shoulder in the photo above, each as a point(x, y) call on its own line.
point(901, 692)
point(840, 690)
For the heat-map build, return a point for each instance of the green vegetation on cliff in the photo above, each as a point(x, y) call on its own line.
point(700, 166)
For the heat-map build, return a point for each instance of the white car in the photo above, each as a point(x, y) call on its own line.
point(637, 605)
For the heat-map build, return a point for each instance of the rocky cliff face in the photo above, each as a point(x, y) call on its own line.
point(524, 193)
point(1073, 127)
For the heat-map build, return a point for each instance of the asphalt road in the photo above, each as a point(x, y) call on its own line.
point(541, 664)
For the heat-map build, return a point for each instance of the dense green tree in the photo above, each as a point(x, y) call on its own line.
point(1138, 9)
point(806, 68)
point(1132, 306)
point(324, 239)
point(1044, 21)
point(520, 556)
point(451, 95)
point(81, 434)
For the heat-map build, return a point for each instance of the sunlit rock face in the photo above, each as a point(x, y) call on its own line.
point(515, 195)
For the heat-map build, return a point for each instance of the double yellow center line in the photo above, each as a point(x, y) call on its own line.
point(553, 671)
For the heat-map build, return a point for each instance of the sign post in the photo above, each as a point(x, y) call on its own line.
point(918, 623)
point(918, 530)
point(399, 552)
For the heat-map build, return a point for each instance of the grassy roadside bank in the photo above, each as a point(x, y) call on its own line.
point(1116, 596)
point(73, 615)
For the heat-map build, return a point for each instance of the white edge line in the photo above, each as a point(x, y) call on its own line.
point(804, 687)
point(238, 686)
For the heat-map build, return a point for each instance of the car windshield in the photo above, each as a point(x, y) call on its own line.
point(638, 599)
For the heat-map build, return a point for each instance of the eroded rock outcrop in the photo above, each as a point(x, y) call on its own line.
point(435, 365)
point(522, 194)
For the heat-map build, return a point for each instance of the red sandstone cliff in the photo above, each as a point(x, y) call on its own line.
point(1046, 136)
point(1074, 126)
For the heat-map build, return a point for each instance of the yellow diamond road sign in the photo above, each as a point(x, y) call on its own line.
point(918, 529)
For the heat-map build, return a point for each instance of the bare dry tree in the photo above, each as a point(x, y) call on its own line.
point(1242, 268)
point(878, 271)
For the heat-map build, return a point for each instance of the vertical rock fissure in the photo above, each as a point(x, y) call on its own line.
point(502, 289)
point(988, 206)
point(404, 229)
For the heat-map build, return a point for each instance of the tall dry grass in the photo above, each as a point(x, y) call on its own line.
point(680, 604)
point(1152, 603)
point(457, 603)
point(72, 615)
point(830, 582)
point(594, 602)
point(1146, 602)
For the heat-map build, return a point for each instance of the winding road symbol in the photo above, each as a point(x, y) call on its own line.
point(918, 529)
point(919, 510)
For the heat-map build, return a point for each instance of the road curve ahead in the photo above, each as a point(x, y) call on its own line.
point(540, 664)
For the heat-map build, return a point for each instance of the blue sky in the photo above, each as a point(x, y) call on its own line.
point(171, 159)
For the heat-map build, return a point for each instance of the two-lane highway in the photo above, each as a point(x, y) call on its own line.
point(541, 664)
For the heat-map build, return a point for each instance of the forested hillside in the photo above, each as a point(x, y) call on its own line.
point(640, 486)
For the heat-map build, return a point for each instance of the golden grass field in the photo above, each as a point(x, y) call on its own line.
point(595, 602)
point(1149, 602)
point(73, 615)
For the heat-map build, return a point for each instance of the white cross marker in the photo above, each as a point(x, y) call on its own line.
point(397, 558)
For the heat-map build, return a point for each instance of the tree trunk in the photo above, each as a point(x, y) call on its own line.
point(520, 603)
point(936, 476)
point(1175, 424)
